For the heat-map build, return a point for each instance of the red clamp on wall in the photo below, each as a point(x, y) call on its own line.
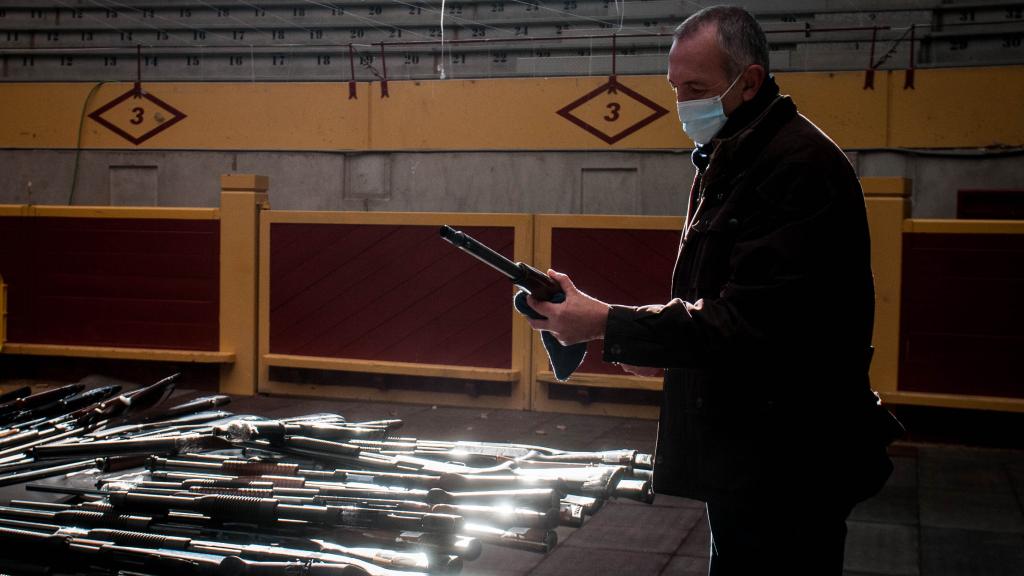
point(384, 69)
point(352, 70)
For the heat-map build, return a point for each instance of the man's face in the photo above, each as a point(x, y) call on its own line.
point(697, 69)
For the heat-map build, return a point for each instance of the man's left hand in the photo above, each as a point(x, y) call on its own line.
point(580, 318)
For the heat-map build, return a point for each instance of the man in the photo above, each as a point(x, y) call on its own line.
point(767, 412)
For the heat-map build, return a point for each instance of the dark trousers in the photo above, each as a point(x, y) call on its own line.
point(773, 535)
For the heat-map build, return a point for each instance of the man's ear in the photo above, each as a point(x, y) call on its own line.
point(753, 78)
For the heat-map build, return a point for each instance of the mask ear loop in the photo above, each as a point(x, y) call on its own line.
point(737, 79)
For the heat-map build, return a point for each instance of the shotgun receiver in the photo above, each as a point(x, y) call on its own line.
point(537, 283)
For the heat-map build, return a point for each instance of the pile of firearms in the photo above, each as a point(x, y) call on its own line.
point(191, 489)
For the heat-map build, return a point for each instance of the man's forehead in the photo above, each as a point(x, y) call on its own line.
point(697, 54)
point(705, 35)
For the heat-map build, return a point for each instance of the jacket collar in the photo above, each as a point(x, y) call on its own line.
point(754, 127)
point(743, 121)
point(748, 112)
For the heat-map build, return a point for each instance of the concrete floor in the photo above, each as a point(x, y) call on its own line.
point(946, 511)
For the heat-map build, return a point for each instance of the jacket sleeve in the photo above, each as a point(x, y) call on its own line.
point(784, 263)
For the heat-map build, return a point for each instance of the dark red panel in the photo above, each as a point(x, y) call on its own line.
point(389, 293)
point(631, 267)
point(961, 314)
point(134, 283)
point(1005, 204)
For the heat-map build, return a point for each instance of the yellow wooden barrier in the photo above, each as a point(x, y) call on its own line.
point(541, 376)
point(244, 350)
point(893, 394)
point(888, 205)
point(935, 226)
point(130, 212)
point(112, 352)
point(517, 374)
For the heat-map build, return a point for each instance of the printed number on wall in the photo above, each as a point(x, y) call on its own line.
point(613, 111)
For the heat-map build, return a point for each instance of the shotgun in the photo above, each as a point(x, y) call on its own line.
point(537, 283)
point(266, 511)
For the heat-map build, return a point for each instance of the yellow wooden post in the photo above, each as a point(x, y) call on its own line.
point(522, 334)
point(888, 204)
point(242, 197)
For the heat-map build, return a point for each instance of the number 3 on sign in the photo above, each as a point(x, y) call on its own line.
point(138, 115)
point(613, 111)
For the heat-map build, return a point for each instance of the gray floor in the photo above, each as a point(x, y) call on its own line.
point(946, 510)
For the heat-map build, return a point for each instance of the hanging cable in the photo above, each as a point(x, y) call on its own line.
point(78, 142)
point(598, 21)
point(892, 49)
point(869, 74)
point(239, 20)
point(371, 22)
point(142, 22)
point(91, 17)
point(442, 75)
point(908, 80)
point(275, 16)
point(461, 20)
point(137, 88)
point(614, 55)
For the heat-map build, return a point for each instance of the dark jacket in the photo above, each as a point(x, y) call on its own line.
point(766, 340)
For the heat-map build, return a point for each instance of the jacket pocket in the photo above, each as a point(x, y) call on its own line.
point(717, 243)
point(681, 452)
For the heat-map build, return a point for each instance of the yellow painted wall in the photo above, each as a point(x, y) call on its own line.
point(977, 106)
point(955, 108)
point(838, 104)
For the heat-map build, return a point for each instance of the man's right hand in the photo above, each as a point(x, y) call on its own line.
point(641, 370)
point(580, 318)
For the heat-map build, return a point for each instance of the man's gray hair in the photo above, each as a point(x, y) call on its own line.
point(739, 35)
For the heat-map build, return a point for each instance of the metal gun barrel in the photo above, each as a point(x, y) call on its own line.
point(468, 244)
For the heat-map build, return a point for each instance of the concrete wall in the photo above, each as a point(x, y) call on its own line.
point(649, 183)
point(938, 175)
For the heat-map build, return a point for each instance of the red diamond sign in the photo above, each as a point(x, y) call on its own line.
point(612, 111)
point(137, 115)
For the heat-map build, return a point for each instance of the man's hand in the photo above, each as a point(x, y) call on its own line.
point(580, 318)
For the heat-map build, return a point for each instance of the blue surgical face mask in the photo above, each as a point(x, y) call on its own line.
point(702, 119)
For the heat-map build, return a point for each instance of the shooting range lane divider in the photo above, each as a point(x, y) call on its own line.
point(192, 489)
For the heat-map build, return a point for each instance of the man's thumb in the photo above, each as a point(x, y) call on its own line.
point(564, 281)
